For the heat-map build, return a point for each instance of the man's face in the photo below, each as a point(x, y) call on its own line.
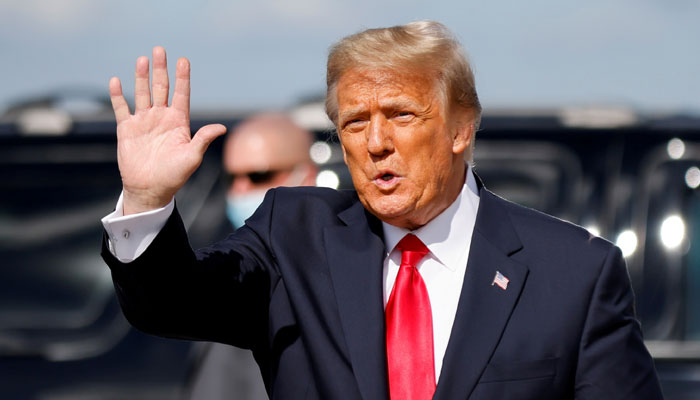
point(403, 147)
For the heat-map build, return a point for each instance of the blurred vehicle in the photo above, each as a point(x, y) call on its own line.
point(62, 333)
point(629, 178)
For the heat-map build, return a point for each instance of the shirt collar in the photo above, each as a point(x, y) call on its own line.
point(445, 234)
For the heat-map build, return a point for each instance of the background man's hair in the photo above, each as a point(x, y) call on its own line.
point(421, 45)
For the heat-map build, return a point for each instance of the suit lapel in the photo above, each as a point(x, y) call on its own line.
point(355, 254)
point(484, 309)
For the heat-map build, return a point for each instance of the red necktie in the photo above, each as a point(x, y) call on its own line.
point(409, 328)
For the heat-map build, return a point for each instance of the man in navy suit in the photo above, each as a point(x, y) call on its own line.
point(420, 284)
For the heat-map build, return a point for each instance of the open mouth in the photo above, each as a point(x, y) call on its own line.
point(386, 179)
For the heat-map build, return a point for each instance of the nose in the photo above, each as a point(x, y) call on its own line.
point(241, 184)
point(379, 137)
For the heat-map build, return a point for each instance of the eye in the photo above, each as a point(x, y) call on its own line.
point(353, 123)
point(404, 115)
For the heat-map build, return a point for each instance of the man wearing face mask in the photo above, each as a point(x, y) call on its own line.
point(265, 151)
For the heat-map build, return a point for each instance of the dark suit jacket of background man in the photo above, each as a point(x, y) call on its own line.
point(301, 285)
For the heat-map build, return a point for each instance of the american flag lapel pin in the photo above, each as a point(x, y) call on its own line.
point(500, 280)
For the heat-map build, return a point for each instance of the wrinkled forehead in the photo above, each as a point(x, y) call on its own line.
point(360, 85)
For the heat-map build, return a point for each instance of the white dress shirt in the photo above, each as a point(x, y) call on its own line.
point(448, 237)
point(130, 235)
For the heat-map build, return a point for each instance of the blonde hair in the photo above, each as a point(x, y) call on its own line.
point(421, 45)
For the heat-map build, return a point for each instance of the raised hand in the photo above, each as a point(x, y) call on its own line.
point(155, 150)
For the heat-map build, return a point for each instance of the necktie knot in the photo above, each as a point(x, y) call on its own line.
point(412, 250)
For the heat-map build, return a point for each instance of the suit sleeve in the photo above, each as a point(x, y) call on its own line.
point(613, 361)
point(220, 293)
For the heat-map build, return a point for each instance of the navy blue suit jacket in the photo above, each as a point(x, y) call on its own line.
point(301, 285)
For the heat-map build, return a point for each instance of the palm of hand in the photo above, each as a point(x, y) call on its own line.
point(155, 150)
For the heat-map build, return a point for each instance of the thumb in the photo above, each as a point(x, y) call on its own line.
point(205, 135)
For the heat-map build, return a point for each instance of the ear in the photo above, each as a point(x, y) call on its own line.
point(463, 130)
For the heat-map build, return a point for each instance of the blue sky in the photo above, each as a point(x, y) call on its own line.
point(537, 53)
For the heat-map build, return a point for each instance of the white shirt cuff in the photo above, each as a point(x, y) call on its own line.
point(130, 235)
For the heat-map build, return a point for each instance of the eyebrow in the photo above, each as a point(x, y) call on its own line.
point(394, 103)
point(399, 103)
point(351, 113)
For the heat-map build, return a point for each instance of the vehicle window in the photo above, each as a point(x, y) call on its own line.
point(540, 175)
point(669, 219)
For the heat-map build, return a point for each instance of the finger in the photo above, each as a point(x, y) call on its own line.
point(121, 109)
point(205, 135)
point(160, 84)
point(142, 94)
point(181, 96)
